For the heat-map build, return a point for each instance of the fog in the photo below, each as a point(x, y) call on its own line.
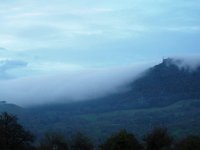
point(190, 63)
point(78, 85)
point(68, 86)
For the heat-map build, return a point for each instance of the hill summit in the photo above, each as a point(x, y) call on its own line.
point(167, 83)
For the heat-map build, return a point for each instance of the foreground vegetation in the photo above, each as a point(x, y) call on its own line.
point(14, 137)
point(181, 119)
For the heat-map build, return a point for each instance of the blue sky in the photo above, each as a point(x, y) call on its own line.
point(40, 36)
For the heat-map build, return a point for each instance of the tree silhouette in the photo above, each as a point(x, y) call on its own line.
point(158, 139)
point(189, 143)
point(53, 141)
point(81, 142)
point(122, 141)
point(12, 135)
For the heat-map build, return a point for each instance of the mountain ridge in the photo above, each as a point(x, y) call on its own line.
point(166, 95)
point(159, 86)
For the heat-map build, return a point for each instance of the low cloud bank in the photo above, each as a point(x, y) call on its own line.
point(185, 62)
point(68, 86)
point(77, 85)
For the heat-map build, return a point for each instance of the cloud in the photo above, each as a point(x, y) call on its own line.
point(96, 33)
point(11, 64)
point(189, 29)
point(6, 65)
point(31, 25)
point(2, 49)
point(68, 86)
point(190, 63)
point(74, 83)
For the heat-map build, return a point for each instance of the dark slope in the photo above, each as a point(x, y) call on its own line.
point(181, 118)
point(160, 86)
point(11, 108)
point(167, 83)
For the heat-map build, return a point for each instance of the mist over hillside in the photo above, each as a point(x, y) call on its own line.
point(99, 83)
point(164, 95)
point(159, 86)
point(69, 86)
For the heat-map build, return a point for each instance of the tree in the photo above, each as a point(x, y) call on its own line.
point(122, 141)
point(12, 135)
point(158, 139)
point(81, 142)
point(189, 143)
point(53, 141)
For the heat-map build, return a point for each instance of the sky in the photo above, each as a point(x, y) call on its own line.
point(40, 37)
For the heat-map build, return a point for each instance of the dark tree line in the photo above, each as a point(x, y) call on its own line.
point(14, 137)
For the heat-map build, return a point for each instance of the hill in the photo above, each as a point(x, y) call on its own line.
point(181, 118)
point(165, 95)
point(160, 86)
point(11, 108)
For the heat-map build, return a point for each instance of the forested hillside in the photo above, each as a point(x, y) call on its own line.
point(159, 86)
point(165, 95)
